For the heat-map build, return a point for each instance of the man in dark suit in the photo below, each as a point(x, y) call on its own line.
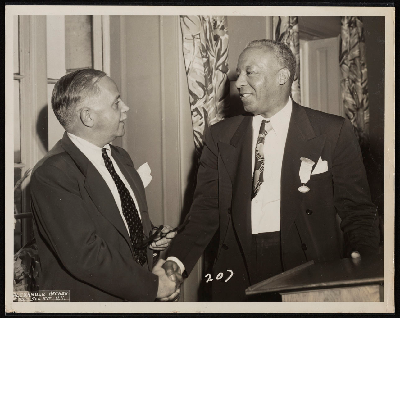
point(273, 184)
point(89, 203)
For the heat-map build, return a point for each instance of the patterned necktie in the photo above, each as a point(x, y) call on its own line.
point(129, 210)
point(258, 176)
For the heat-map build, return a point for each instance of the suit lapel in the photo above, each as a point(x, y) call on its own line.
point(102, 197)
point(135, 182)
point(127, 168)
point(236, 157)
point(302, 141)
point(97, 188)
point(100, 193)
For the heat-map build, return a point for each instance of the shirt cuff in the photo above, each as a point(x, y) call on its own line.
point(178, 261)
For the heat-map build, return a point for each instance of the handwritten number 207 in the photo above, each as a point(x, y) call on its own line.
point(219, 276)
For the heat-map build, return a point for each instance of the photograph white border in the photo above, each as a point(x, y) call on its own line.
point(200, 307)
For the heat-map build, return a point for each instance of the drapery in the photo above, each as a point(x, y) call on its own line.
point(205, 52)
point(286, 30)
point(354, 83)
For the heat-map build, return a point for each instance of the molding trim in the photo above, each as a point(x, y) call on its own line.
point(97, 43)
point(105, 20)
point(123, 86)
point(170, 120)
point(33, 105)
point(269, 28)
point(304, 80)
point(311, 28)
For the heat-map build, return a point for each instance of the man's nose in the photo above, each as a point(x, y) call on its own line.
point(124, 107)
point(240, 81)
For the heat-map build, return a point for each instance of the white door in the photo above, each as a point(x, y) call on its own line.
point(320, 75)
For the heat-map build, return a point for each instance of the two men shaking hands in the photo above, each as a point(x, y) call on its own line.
point(92, 224)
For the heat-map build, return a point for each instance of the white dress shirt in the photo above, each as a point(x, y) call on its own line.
point(266, 206)
point(93, 153)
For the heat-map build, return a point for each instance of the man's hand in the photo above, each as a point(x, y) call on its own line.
point(162, 241)
point(174, 296)
point(166, 286)
point(355, 257)
point(173, 272)
point(355, 254)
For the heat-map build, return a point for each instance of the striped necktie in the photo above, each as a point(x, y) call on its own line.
point(258, 176)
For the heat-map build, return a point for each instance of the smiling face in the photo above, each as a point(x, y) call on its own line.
point(261, 82)
point(108, 112)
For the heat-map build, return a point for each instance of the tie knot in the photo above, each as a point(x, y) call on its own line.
point(265, 123)
point(105, 155)
point(264, 128)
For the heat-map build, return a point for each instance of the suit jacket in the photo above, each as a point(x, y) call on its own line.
point(308, 220)
point(83, 243)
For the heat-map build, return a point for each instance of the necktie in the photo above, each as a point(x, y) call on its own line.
point(258, 176)
point(129, 210)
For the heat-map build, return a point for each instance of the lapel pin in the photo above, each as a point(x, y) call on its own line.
point(303, 189)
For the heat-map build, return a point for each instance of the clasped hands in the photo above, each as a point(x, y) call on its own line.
point(169, 280)
point(168, 272)
point(163, 237)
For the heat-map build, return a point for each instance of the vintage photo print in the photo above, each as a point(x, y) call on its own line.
point(199, 159)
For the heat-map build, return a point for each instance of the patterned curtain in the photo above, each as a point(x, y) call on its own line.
point(205, 51)
point(354, 81)
point(286, 30)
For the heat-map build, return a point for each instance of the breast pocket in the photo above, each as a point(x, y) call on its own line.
point(324, 175)
point(321, 189)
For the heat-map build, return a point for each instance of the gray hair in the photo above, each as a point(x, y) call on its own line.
point(70, 90)
point(282, 53)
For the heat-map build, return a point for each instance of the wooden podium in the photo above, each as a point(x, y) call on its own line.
point(341, 280)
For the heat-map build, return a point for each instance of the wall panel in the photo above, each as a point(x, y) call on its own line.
point(143, 94)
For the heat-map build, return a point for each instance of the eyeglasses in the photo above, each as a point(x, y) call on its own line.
point(157, 234)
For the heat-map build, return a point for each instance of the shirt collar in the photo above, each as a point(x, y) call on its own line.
point(283, 116)
point(90, 150)
point(279, 121)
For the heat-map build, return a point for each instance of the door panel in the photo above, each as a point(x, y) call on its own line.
point(321, 75)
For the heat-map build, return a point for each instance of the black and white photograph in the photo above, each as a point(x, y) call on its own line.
point(239, 160)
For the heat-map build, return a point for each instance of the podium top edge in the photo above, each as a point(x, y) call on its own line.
point(309, 276)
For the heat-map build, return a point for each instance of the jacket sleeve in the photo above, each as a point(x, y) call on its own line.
point(352, 197)
point(189, 244)
point(67, 228)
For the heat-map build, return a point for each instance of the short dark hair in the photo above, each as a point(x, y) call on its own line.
point(70, 90)
point(282, 53)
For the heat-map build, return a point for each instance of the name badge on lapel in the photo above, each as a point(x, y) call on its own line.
point(305, 173)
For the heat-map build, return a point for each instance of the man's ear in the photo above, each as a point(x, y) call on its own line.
point(86, 117)
point(283, 76)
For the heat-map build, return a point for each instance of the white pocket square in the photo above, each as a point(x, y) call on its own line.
point(144, 172)
point(321, 167)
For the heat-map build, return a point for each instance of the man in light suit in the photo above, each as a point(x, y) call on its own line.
point(273, 183)
point(89, 204)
